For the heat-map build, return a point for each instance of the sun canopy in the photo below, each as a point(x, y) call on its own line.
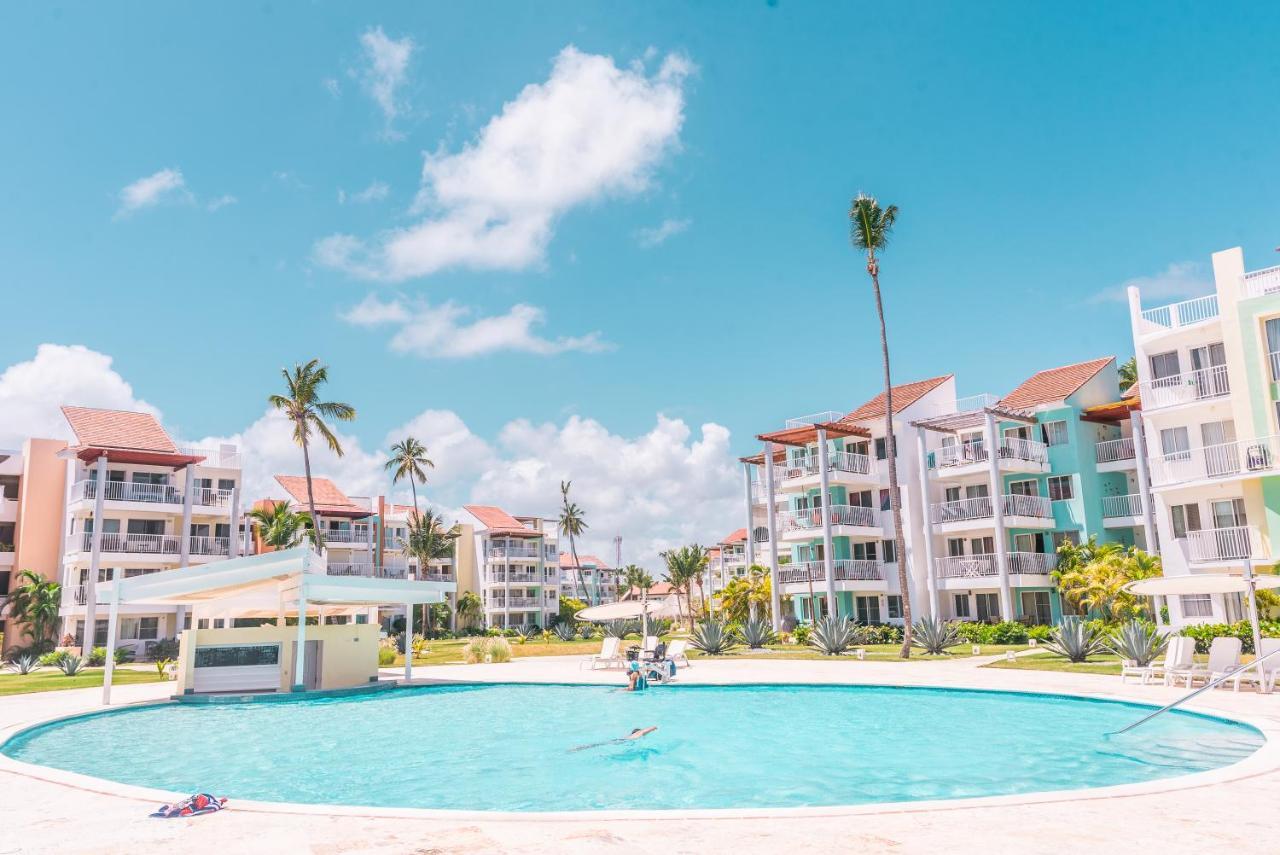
point(1200, 583)
point(627, 609)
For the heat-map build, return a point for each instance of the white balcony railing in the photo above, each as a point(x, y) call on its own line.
point(127, 491)
point(346, 535)
point(529, 577)
point(1030, 450)
point(1176, 315)
point(1010, 448)
point(1259, 283)
point(1228, 460)
point(514, 552)
point(966, 566)
point(811, 518)
point(207, 498)
point(837, 461)
point(1223, 544)
point(227, 457)
point(1122, 506)
point(512, 603)
point(976, 402)
point(959, 455)
point(141, 544)
point(982, 508)
point(825, 417)
point(1034, 563)
point(1200, 385)
point(203, 545)
point(1114, 450)
point(846, 569)
point(367, 569)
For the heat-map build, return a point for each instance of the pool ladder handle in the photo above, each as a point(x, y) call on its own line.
point(1257, 663)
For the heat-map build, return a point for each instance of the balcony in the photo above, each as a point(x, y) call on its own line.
point(986, 566)
point(201, 545)
point(506, 552)
point(207, 498)
point(1014, 455)
point(1019, 511)
point(1234, 543)
point(1188, 388)
point(807, 522)
point(365, 569)
point(513, 603)
point(845, 569)
point(127, 491)
point(1243, 458)
point(436, 575)
point(226, 457)
point(1121, 511)
point(1175, 316)
point(1260, 283)
point(520, 577)
point(1114, 455)
point(342, 536)
point(842, 467)
point(134, 544)
point(1032, 563)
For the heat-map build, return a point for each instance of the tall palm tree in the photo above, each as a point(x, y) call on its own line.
point(35, 602)
point(685, 566)
point(636, 577)
point(426, 539)
point(870, 226)
point(302, 406)
point(572, 525)
point(408, 459)
point(470, 608)
point(280, 527)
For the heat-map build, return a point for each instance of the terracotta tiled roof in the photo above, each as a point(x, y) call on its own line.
point(329, 499)
point(584, 559)
point(496, 519)
point(118, 429)
point(1054, 384)
point(738, 536)
point(713, 552)
point(659, 589)
point(903, 396)
point(1131, 392)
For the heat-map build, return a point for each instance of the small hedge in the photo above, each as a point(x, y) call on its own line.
point(1005, 632)
point(1205, 633)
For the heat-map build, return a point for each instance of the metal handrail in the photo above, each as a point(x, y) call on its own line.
point(1209, 685)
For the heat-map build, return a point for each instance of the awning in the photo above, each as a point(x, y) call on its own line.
point(1199, 583)
point(628, 609)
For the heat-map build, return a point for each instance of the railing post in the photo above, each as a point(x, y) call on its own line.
point(997, 512)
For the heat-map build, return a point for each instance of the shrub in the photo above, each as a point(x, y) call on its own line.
point(659, 626)
point(587, 631)
point(163, 648)
point(1008, 632)
point(1138, 641)
point(1205, 633)
point(881, 633)
point(493, 632)
point(386, 656)
point(496, 649)
point(162, 665)
point(834, 635)
point(934, 635)
point(713, 637)
point(71, 665)
point(564, 631)
point(621, 628)
point(97, 657)
point(756, 633)
point(524, 633)
point(1075, 640)
point(1039, 632)
point(52, 658)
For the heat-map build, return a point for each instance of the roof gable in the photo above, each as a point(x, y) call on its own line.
point(495, 518)
point(1054, 384)
point(904, 396)
point(121, 429)
point(329, 499)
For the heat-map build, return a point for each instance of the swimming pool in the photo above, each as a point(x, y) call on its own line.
point(509, 747)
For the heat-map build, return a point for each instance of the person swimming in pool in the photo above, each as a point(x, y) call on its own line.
point(636, 733)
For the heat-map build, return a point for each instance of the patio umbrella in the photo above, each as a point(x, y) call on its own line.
point(643, 609)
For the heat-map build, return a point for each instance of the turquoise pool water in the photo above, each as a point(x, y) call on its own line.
point(508, 747)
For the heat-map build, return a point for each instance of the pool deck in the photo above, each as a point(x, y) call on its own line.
point(1232, 808)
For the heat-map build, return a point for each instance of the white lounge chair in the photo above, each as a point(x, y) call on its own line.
point(676, 652)
point(1179, 654)
point(608, 655)
point(650, 644)
point(1270, 668)
point(1224, 659)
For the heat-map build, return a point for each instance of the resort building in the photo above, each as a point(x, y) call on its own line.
point(1208, 370)
point(519, 561)
point(598, 580)
point(32, 502)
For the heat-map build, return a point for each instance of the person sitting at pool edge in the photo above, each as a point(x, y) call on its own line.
point(636, 680)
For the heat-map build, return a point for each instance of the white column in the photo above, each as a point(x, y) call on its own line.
point(300, 645)
point(408, 641)
point(113, 613)
point(775, 587)
point(997, 510)
point(828, 562)
point(751, 541)
point(233, 533)
point(931, 570)
point(1144, 483)
point(95, 557)
point(184, 534)
point(280, 621)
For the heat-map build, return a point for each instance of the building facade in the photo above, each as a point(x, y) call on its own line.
point(519, 562)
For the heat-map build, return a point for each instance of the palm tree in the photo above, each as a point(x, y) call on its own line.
point(303, 407)
point(684, 566)
point(35, 602)
point(469, 607)
point(636, 577)
point(427, 539)
point(1128, 372)
point(743, 596)
point(869, 232)
point(408, 457)
point(280, 527)
point(572, 525)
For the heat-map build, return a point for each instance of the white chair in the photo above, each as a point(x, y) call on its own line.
point(1270, 668)
point(1224, 659)
point(676, 652)
point(608, 655)
point(650, 645)
point(1178, 655)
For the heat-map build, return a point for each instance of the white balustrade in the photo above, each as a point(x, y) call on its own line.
point(1113, 450)
point(1122, 506)
point(811, 518)
point(846, 569)
point(1227, 460)
point(981, 507)
point(1035, 563)
point(127, 491)
point(1176, 315)
point(1259, 283)
point(204, 545)
point(530, 551)
point(367, 569)
point(207, 498)
point(1224, 544)
point(837, 461)
point(346, 535)
point(976, 402)
point(1028, 506)
point(1200, 385)
point(141, 544)
point(227, 457)
point(1030, 450)
point(825, 417)
point(961, 454)
point(966, 566)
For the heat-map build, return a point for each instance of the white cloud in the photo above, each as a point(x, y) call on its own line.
point(1178, 281)
point(332, 86)
point(388, 63)
point(165, 185)
point(448, 331)
point(592, 130)
point(221, 202)
point(375, 192)
point(32, 392)
point(651, 237)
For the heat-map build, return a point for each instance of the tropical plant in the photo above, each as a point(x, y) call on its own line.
point(386, 656)
point(34, 602)
point(802, 633)
point(713, 637)
point(71, 665)
point(934, 635)
point(621, 628)
point(747, 597)
point(53, 657)
point(1075, 640)
point(426, 539)
point(409, 460)
point(1005, 632)
point(1138, 641)
point(834, 635)
point(684, 565)
point(564, 631)
point(572, 525)
point(1093, 578)
point(470, 608)
point(524, 633)
point(569, 606)
point(24, 663)
point(1128, 373)
point(302, 406)
point(1205, 633)
point(870, 227)
point(163, 648)
point(280, 527)
point(162, 665)
point(636, 578)
point(419, 646)
point(486, 649)
point(98, 656)
point(587, 631)
point(756, 633)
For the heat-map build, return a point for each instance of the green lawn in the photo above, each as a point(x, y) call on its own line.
point(449, 651)
point(52, 680)
point(875, 652)
point(1101, 664)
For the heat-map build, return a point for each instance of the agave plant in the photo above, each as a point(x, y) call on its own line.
point(934, 635)
point(756, 633)
point(1138, 641)
point(834, 635)
point(1074, 640)
point(524, 633)
point(24, 664)
point(713, 637)
point(587, 631)
point(621, 628)
point(564, 631)
point(71, 665)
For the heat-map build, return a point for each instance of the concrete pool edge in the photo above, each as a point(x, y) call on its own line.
point(1265, 760)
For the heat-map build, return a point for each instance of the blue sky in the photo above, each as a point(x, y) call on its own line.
point(693, 262)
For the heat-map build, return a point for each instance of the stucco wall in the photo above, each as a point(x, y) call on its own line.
point(349, 654)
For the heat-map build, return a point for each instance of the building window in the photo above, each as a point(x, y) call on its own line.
point(890, 551)
point(1196, 605)
point(895, 606)
point(1055, 433)
point(1175, 443)
point(881, 447)
point(1185, 518)
point(1060, 487)
point(868, 609)
point(988, 606)
point(226, 483)
point(1071, 536)
point(1024, 488)
point(962, 605)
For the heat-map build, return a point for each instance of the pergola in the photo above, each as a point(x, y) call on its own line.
point(283, 583)
point(954, 423)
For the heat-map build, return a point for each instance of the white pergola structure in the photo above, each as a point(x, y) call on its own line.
point(279, 583)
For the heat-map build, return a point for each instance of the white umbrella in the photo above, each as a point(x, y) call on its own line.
point(643, 609)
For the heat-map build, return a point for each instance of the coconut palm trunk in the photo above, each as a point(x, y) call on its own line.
point(311, 496)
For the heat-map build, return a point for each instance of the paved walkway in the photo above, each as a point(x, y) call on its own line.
point(1237, 814)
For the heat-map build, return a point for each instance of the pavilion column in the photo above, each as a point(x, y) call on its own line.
point(775, 586)
point(233, 530)
point(300, 643)
point(751, 540)
point(931, 570)
point(113, 616)
point(95, 558)
point(1144, 483)
point(828, 562)
point(990, 437)
point(184, 534)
